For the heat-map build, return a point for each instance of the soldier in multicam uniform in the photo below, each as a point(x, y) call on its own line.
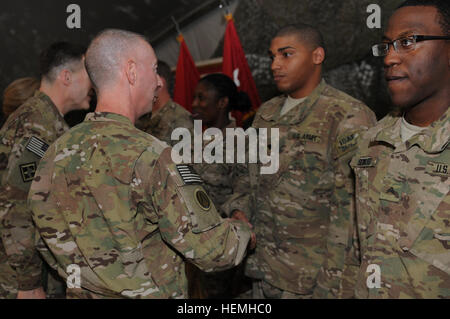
point(216, 95)
point(23, 140)
point(108, 199)
point(402, 166)
point(302, 214)
point(166, 115)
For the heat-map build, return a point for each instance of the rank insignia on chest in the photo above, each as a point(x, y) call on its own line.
point(188, 175)
point(27, 171)
point(37, 146)
point(440, 169)
point(366, 162)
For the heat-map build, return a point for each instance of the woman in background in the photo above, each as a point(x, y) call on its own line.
point(17, 93)
point(215, 97)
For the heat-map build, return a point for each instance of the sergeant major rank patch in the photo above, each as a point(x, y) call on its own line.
point(27, 171)
point(188, 175)
point(37, 146)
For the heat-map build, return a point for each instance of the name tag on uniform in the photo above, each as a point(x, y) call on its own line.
point(366, 161)
point(306, 137)
point(440, 169)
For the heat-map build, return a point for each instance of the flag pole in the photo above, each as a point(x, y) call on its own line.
point(177, 27)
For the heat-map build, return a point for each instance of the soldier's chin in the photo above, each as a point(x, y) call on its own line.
point(401, 101)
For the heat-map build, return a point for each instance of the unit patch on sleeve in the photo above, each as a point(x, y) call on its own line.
point(37, 146)
point(27, 171)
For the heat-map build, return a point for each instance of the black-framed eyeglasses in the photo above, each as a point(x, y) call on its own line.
point(404, 44)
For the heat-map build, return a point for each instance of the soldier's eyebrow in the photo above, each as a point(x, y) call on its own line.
point(415, 29)
point(285, 48)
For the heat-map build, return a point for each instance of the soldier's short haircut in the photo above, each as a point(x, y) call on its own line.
point(306, 33)
point(442, 6)
point(58, 56)
point(165, 72)
point(105, 53)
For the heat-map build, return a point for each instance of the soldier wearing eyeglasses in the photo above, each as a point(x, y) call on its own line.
point(402, 239)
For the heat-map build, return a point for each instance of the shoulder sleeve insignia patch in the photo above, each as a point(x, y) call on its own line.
point(27, 171)
point(37, 146)
point(202, 199)
point(188, 175)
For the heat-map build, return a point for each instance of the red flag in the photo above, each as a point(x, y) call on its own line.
point(186, 77)
point(235, 65)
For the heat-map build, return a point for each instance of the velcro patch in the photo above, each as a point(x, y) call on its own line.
point(366, 162)
point(27, 171)
point(346, 144)
point(37, 146)
point(188, 175)
point(441, 169)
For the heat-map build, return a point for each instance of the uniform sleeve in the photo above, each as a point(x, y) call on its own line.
point(17, 229)
point(342, 213)
point(240, 198)
point(189, 221)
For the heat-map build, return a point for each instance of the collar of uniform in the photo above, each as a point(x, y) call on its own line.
point(390, 131)
point(434, 138)
point(44, 97)
point(299, 112)
point(107, 117)
point(164, 108)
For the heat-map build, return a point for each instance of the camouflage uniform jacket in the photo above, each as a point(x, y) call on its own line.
point(403, 211)
point(23, 141)
point(217, 176)
point(108, 198)
point(162, 123)
point(291, 210)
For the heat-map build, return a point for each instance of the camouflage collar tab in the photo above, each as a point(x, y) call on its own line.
point(366, 161)
point(273, 113)
point(107, 116)
point(390, 131)
point(44, 97)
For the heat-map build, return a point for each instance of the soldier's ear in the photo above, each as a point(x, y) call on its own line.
point(131, 72)
point(223, 102)
point(65, 77)
point(318, 55)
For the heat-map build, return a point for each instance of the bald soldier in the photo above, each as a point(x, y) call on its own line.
point(109, 202)
point(166, 115)
point(402, 167)
point(24, 138)
point(302, 213)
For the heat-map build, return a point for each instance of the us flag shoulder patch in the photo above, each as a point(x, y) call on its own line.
point(188, 175)
point(37, 146)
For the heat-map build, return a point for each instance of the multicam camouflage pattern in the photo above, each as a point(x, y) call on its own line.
point(217, 176)
point(403, 211)
point(108, 198)
point(20, 264)
point(162, 123)
point(302, 214)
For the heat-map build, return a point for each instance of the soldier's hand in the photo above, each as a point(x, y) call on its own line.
point(37, 293)
point(240, 215)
